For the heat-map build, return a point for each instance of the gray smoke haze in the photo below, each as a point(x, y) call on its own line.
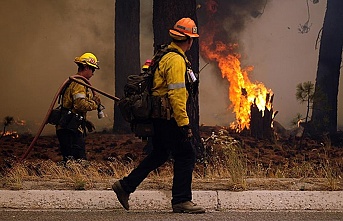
point(40, 39)
point(227, 19)
point(281, 56)
point(222, 22)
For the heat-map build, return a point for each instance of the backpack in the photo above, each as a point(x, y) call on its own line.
point(136, 105)
point(56, 113)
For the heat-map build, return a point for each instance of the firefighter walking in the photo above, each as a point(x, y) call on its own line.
point(77, 100)
point(172, 130)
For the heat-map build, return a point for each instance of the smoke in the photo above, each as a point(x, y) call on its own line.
point(40, 39)
point(227, 19)
point(39, 42)
point(146, 32)
point(268, 39)
point(222, 23)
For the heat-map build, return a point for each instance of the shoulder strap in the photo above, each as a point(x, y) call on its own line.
point(154, 65)
point(159, 54)
point(60, 97)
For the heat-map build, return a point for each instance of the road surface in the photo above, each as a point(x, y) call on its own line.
point(120, 214)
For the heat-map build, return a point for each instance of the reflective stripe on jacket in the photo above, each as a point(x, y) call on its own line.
point(170, 78)
point(81, 98)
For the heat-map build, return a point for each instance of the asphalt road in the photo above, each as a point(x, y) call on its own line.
point(104, 215)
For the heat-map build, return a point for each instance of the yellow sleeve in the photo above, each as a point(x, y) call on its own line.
point(82, 100)
point(175, 69)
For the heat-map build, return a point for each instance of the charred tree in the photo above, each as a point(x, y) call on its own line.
point(324, 115)
point(165, 14)
point(127, 55)
point(261, 121)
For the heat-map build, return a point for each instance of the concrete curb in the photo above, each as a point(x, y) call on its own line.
point(160, 200)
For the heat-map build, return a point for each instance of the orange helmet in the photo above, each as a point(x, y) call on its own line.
point(183, 28)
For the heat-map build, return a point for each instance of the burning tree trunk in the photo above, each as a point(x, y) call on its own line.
point(261, 120)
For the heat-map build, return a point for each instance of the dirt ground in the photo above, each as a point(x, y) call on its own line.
point(270, 156)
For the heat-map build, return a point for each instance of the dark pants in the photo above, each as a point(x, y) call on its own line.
point(72, 144)
point(168, 140)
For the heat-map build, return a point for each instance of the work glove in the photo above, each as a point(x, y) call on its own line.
point(186, 132)
point(96, 99)
point(90, 126)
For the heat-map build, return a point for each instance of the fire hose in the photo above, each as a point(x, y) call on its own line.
point(87, 84)
point(75, 78)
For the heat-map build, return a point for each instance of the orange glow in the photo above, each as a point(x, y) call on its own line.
point(242, 92)
point(21, 122)
point(12, 134)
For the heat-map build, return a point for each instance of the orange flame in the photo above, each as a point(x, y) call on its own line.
point(12, 134)
point(242, 92)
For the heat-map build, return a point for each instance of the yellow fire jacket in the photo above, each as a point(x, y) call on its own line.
point(169, 79)
point(80, 98)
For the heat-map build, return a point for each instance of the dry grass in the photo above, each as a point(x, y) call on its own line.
point(331, 171)
point(223, 160)
point(86, 175)
point(81, 174)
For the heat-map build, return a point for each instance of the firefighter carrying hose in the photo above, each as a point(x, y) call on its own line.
point(76, 101)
